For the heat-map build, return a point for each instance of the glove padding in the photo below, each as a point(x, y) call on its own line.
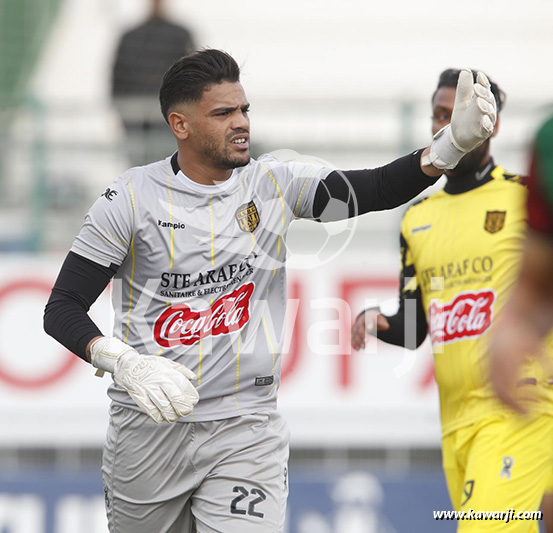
point(159, 386)
point(472, 122)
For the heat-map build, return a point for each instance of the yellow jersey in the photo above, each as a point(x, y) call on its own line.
point(460, 256)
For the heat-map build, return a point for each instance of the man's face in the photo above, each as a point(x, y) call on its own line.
point(442, 108)
point(219, 126)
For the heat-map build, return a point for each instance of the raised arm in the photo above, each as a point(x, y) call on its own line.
point(472, 122)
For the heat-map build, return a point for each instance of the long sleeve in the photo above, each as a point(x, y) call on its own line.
point(368, 190)
point(408, 326)
point(79, 284)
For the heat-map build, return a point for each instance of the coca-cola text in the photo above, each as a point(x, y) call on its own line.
point(469, 315)
point(179, 324)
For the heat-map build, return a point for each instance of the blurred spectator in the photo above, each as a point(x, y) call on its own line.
point(143, 55)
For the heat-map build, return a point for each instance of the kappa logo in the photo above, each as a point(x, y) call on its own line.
point(109, 194)
point(495, 220)
point(174, 225)
point(247, 216)
point(421, 228)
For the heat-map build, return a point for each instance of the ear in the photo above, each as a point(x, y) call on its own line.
point(496, 127)
point(179, 125)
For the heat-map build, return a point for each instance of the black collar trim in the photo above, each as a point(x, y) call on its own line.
point(175, 163)
point(467, 182)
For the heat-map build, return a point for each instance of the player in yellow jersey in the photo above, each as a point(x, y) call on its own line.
point(460, 251)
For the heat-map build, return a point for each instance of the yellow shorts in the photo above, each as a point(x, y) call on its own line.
point(500, 463)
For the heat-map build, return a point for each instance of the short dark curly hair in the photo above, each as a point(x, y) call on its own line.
point(188, 78)
point(450, 76)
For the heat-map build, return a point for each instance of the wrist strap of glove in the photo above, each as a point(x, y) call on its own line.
point(105, 352)
point(445, 153)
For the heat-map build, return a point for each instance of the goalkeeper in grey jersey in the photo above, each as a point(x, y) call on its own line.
point(195, 244)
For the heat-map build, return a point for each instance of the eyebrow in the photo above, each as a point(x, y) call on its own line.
point(229, 109)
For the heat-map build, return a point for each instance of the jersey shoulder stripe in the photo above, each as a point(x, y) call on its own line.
point(421, 206)
point(499, 173)
point(417, 203)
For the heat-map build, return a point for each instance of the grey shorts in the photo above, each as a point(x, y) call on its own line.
point(224, 476)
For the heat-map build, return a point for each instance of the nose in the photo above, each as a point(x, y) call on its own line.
point(241, 121)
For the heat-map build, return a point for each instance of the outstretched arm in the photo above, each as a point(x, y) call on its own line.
point(472, 122)
point(369, 190)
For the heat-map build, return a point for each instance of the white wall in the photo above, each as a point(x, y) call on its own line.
point(350, 48)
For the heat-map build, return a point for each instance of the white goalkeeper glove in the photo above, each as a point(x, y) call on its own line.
point(472, 122)
point(159, 386)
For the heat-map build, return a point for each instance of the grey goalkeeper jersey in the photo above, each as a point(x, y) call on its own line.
point(202, 275)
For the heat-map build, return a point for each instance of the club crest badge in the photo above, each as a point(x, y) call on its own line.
point(495, 220)
point(247, 216)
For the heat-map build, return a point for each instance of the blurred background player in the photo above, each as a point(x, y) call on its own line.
point(143, 55)
point(528, 315)
point(195, 244)
point(460, 248)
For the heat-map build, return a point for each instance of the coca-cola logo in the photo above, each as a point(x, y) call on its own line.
point(470, 314)
point(179, 324)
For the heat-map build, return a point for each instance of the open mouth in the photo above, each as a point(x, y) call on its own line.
point(241, 141)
